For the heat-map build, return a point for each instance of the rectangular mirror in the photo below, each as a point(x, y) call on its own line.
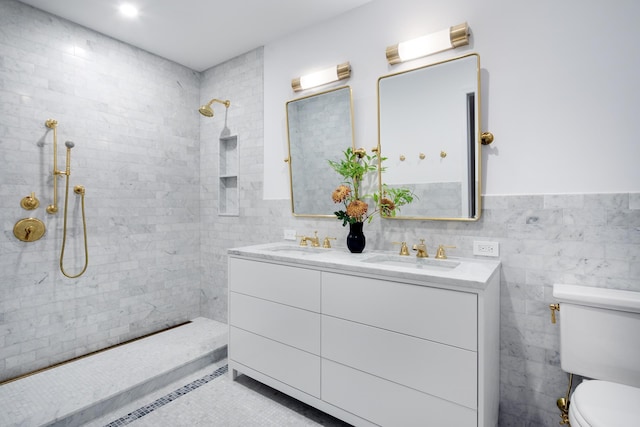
point(429, 131)
point(320, 128)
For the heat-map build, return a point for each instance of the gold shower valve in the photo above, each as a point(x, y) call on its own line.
point(30, 202)
point(29, 229)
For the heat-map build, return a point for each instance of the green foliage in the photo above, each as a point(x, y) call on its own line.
point(354, 168)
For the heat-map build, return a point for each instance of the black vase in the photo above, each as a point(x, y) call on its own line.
point(355, 238)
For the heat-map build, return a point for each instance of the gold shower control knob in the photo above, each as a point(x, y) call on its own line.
point(29, 229)
point(30, 202)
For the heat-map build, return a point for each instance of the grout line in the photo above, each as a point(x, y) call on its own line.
point(147, 409)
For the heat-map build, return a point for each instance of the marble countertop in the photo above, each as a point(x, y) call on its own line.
point(455, 272)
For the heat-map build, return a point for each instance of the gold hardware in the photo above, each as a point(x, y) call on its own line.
point(422, 156)
point(29, 229)
point(360, 152)
point(53, 124)
point(440, 254)
point(287, 160)
point(315, 241)
point(422, 249)
point(78, 189)
point(563, 404)
point(375, 149)
point(327, 244)
point(322, 77)
point(206, 109)
point(30, 202)
point(404, 250)
point(402, 158)
point(443, 154)
point(448, 38)
point(486, 138)
point(554, 307)
point(459, 35)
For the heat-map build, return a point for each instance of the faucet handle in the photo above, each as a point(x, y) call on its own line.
point(441, 254)
point(303, 239)
point(404, 249)
point(327, 244)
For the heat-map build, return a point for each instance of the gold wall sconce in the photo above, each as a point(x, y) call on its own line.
point(322, 77)
point(449, 38)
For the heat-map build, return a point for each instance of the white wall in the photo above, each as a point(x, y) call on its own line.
point(559, 86)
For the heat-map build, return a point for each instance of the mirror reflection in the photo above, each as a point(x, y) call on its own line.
point(429, 132)
point(320, 128)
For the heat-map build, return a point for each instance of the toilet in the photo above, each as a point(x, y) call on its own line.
point(600, 340)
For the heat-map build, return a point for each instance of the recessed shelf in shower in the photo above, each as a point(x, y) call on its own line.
point(228, 197)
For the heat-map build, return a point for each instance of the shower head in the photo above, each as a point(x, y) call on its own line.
point(206, 109)
point(69, 144)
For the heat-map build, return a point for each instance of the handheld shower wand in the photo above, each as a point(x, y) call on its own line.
point(78, 189)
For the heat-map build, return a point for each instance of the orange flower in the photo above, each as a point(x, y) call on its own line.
point(341, 193)
point(387, 206)
point(357, 209)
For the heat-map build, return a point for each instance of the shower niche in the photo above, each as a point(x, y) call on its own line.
point(228, 177)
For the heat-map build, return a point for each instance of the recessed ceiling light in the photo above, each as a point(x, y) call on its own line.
point(128, 10)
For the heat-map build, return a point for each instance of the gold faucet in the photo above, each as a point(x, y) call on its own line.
point(404, 250)
point(422, 249)
point(327, 244)
point(315, 241)
point(441, 254)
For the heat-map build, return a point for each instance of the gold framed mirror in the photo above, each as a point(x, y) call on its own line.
point(429, 131)
point(319, 128)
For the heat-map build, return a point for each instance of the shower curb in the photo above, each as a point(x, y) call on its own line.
point(80, 391)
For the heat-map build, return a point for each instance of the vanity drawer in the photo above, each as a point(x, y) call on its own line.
point(289, 365)
point(293, 286)
point(387, 403)
point(441, 315)
point(289, 325)
point(437, 369)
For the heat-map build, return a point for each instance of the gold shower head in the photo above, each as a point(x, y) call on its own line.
point(206, 109)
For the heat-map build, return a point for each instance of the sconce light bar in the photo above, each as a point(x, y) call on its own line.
point(449, 38)
point(322, 77)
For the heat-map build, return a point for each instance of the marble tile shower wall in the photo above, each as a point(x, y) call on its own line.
point(240, 81)
point(134, 122)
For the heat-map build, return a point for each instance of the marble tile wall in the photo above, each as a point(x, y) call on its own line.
point(133, 118)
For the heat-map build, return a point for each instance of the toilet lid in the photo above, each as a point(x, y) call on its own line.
point(602, 403)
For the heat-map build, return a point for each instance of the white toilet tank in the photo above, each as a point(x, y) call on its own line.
point(600, 333)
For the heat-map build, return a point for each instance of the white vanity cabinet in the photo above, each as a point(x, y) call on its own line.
point(274, 323)
point(372, 349)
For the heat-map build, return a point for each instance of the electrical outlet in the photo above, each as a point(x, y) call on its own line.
point(289, 234)
point(486, 248)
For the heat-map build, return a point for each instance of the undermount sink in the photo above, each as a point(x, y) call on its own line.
point(413, 262)
point(296, 250)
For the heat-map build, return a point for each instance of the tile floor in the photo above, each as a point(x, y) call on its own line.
point(208, 397)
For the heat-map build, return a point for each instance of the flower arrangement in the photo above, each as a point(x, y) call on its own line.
point(354, 168)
